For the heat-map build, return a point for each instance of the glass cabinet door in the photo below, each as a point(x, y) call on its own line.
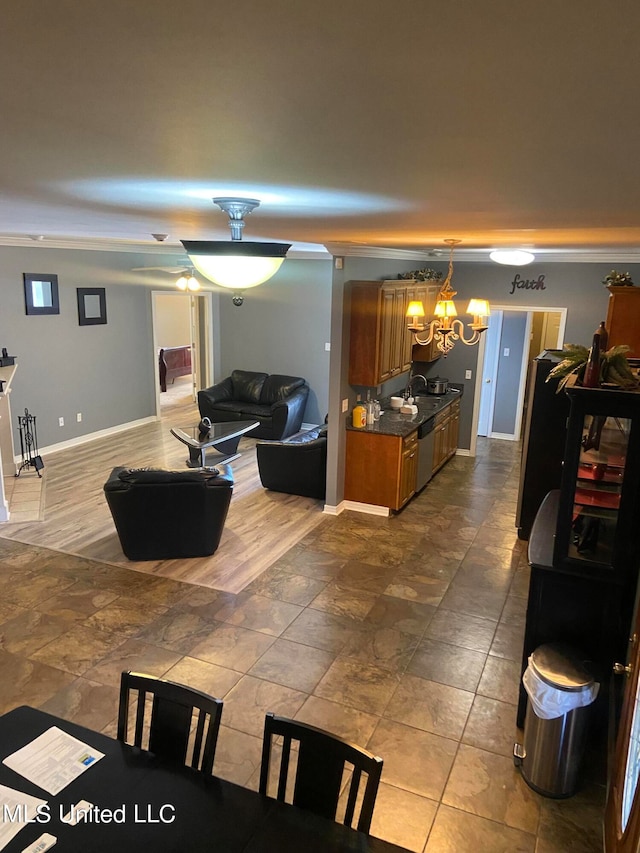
point(598, 489)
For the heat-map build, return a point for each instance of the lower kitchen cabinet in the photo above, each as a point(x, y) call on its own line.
point(445, 442)
point(381, 469)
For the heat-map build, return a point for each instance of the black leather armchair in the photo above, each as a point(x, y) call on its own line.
point(297, 466)
point(277, 402)
point(165, 515)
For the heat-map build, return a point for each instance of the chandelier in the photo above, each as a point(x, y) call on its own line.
point(234, 264)
point(445, 328)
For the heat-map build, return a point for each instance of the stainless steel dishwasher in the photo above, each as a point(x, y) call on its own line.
point(425, 453)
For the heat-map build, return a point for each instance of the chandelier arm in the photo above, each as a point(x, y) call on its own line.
point(459, 326)
point(431, 327)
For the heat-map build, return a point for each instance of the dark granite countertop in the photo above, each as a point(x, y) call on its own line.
point(395, 423)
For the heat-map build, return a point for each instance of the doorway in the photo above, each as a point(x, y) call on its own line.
point(516, 335)
point(183, 320)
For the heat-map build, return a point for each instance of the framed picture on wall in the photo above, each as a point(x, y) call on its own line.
point(41, 293)
point(92, 306)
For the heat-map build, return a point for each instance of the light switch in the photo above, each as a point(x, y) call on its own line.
point(505, 352)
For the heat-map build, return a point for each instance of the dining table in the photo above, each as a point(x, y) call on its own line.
point(135, 801)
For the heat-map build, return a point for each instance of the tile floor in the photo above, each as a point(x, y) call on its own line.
point(402, 634)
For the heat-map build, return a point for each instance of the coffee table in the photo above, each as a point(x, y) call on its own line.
point(223, 437)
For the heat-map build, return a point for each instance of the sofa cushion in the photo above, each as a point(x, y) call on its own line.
point(277, 387)
point(247, 386)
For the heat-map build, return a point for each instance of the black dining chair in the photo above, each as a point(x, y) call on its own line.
point(178, 723)
point(323, 764)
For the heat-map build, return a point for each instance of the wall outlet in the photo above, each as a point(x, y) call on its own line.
point(79, 417)
point(468, 374)
point(327, 347)
point(345, 405)
point(60, 421)
point(506, 352)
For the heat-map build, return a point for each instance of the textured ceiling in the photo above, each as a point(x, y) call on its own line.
point(394, 124)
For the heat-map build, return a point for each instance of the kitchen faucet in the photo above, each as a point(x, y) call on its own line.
point(407, 390)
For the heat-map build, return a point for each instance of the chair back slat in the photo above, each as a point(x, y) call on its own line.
point(171, 733)
point(284, 767)
point(321, 763)
point(354, 787)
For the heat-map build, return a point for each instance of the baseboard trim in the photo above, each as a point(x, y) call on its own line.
point(330, 509)
point(463, 451)
point(91, 436)
point(368, 509)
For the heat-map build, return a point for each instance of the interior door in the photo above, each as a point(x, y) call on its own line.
point(622, 813)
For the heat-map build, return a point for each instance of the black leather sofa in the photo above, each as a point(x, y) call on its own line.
point(164, 515)
point(297, 466)
point(277, 402)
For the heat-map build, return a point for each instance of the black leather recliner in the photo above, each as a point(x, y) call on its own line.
point(164, 515)
point(276, 402)
point(297, 466)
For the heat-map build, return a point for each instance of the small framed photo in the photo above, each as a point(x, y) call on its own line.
point(92, 306)
point(41, 293)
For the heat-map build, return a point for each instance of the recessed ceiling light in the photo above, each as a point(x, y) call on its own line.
point(512, 257)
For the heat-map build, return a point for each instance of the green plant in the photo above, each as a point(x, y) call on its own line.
point(614, 367)
point(618, 278)
point(426, 274)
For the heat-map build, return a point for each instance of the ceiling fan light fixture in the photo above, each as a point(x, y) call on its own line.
point(188, 281)
point(235, 264)
point(512, 257)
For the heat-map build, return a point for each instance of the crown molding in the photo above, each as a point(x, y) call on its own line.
point(134, 246)
point(574, 256)
point(601, 255)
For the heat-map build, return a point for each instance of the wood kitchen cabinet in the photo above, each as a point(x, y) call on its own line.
point(446, 428)
point(381, 346)
point(623, 318)
point(381, 469)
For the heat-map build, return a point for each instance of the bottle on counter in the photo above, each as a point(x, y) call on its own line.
point(604, 336)
point(591, 378)
point(359, 415)
point(377, 410)
point(370, 409)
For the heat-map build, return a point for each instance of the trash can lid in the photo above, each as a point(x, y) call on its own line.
point(561, 666)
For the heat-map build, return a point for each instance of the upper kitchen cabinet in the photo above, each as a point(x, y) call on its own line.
point(381, 345)
point(623, 318)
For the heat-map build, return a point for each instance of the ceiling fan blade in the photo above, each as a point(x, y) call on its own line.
point(172, 270)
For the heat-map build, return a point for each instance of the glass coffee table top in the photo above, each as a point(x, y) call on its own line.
point(222, 437)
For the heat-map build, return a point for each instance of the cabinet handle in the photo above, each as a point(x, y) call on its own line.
point(621, 669)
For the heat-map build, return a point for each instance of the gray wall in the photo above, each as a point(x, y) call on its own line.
point(282, 327)
point(514, 325)
point(577, 287)
point(105, 372)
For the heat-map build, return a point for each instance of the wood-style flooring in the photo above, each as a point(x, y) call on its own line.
point(261, 525)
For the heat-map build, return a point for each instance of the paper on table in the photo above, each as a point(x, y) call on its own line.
point(16, 809)
point(53, 760)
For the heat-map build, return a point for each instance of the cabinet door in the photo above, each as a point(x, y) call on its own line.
point(410, 295)
point(440, 440)
point(408, 469)
point(388, 352)
point(454, 429)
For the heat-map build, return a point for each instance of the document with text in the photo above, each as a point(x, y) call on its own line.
point(16, 810)
point(53, 760)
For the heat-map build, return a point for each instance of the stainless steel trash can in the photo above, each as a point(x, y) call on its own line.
point(551, 752)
